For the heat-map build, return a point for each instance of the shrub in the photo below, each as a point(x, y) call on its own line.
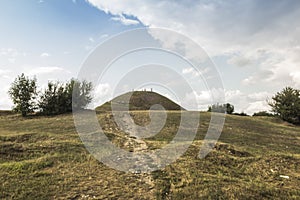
point(263, 113)
point(221, 108)
point(286, 104)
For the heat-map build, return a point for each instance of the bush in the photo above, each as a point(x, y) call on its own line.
point(221, 108)
point(241, 114)
point(263, 113)
point(286, 104)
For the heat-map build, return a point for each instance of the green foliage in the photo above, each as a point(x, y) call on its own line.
point(263, 113)
point(23, 94)
point(54, 99)
point(241, 114)
point(286, 104)
point(79, 92)
point(221, 108)
point(58, 98)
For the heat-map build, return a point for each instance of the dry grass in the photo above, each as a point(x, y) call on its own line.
point(43, 158)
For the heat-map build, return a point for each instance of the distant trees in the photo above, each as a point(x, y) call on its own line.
point(23, 94)
point(57, 98)
point(221, 108)
point(263, 113)
point(286, 104)
point(241, 114)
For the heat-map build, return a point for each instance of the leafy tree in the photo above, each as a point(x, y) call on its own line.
point(221, 108)
point(79, 92)
point(53, 100)
point(59, 98)
point(23, 94)
point(286, 104)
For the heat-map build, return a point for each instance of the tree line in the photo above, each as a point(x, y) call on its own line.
point(284, 104)
point(59, 98)
point(56, 98)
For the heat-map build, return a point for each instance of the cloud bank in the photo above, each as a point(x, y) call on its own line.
point(262, 35)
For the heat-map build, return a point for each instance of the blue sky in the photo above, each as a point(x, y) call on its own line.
point(254, 44)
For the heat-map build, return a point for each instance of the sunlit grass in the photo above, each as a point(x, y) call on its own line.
point(44, 158)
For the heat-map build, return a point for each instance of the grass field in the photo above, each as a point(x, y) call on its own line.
point(43, 158)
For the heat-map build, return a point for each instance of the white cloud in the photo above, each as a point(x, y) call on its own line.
point(121, 18)
point(11, 54)
point(247, 32)
point(102, 93)
point(45, 55)
point(261, 36)
point(257, 106)
point(296, 78)
point(191, 71)
point(66, 52)
point(239, 61)
point(46, 70)
point(260, 96)
point(195, 73)
point(4, 73)
point(91, 39)
point(103, 36)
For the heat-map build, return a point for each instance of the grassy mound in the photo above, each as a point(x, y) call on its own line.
point(139, 100)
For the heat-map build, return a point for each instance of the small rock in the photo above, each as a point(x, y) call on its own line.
point(283, 176)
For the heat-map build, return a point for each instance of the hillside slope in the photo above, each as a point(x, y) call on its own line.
point(139, 100)
point(255, 158)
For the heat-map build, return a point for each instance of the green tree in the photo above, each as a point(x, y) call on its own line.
point(79, 92)
point(23, 94)
point(58, 98)
point(286, 104)
point(221, 108)
point(53, 100)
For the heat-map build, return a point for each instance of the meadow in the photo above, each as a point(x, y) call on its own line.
point(44, 158)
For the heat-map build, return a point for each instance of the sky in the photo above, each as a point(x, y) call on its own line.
point(254, 44)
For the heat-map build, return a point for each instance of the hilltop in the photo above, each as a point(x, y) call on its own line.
point(140, 100)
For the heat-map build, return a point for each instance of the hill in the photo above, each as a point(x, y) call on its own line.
point(139, 100)
point(44, 158)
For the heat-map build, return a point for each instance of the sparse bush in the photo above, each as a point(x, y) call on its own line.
point(286, 104)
